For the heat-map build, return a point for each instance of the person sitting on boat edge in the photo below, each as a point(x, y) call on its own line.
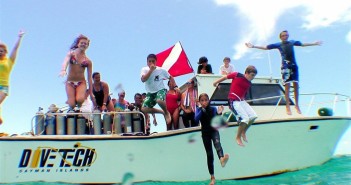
point(205, 114)
point(6, 66)
point(101, 92)
point(204, 67)
point(239, 87)
point(289, 68)
point(226, 68)
point(153, 76)
point(77, 61)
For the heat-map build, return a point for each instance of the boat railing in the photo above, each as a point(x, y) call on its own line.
point(89, 123)
point(330, 105)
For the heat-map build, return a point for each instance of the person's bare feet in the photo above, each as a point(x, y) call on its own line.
point(298, 109)
point(224, 160)
point(240, 143)
point(244, 137)
point(288, 111)
point(213, 181)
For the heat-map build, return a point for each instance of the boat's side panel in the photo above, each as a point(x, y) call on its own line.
point(272, 148)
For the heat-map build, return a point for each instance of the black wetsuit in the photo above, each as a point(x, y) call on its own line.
point(209, 134)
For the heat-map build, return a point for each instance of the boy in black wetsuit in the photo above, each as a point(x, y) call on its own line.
point(205, 113)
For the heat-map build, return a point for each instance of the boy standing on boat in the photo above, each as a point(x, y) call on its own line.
point(153, 77)
point(289, 69)
point(240, 85)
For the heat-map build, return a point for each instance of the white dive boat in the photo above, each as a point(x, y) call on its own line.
point(277, 143)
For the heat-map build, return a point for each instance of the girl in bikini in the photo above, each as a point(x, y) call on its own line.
point(76, 61)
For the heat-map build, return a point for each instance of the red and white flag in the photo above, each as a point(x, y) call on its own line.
point(174, 60)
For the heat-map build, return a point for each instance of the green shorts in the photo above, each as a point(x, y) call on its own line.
point(151, 98)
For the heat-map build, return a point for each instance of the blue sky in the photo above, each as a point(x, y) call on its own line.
point(123, 33)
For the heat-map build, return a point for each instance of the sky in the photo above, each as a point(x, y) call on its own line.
point(123, 32)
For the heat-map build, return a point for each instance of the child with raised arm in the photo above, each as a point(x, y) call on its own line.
point(6, 64)
point(205, 113)
point(240, 85)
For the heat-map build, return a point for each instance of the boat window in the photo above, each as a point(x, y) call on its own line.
point(257, 91)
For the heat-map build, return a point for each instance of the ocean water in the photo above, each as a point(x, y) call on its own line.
point(337, 171)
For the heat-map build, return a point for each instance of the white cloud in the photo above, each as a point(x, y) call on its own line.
point(261, 17)
point(348, 37)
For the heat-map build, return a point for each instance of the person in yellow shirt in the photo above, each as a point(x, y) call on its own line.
point(6, 64)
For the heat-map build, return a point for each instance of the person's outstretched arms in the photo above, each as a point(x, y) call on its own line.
point(249, 45)
point(215, 83)
point(17, 44)
point(317, 43)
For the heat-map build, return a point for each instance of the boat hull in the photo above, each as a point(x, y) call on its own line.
point(274, 147)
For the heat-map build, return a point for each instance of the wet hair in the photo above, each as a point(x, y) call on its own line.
point(76, 41)
point(2, 45)
point(208, 106)
point(226, 58)
point(137, 94)
point(151, 56)
point(251, 69)
point(284, 31)
point(94, 74)
point(202, 60)
point(202, 95)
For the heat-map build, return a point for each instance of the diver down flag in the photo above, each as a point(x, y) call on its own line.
point(174, 60)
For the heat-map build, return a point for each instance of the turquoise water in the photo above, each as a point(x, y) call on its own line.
point(335, 172)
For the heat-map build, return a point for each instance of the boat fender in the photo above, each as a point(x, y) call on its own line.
point(325, 111)
point(229, 116)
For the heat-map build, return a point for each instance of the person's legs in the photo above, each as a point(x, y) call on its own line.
point(80, 93)
point(186, 119)
point(206, 139)
point(296, 95)
point(242, 127)
point(71, 95)
point(238, 107)
point(160, 99)
point(2, 98)
point(213, 180)
point(287, 98)
point(175, 119)
point(252, 117)
point(217, 144)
